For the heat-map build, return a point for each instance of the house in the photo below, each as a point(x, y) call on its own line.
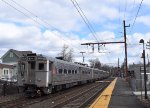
point(6, 71)
point(11, 57)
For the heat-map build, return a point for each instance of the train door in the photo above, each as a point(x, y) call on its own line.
point(43, 73)
point(31, 72)
point(21, 75)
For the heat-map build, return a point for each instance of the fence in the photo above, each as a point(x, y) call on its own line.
point(7, 88)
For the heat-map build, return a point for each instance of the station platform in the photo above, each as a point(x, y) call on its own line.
point(117, 95)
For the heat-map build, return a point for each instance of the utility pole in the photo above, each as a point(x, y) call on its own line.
point(125, 43)
point(145, 77)
point(104, 43)
point(82, 55)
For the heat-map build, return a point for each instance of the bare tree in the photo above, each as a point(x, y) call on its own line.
point(106, 67)
point(66, 53)
point(70, 55)
point(95, 63)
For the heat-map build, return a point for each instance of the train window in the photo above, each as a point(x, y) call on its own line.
point(75, 71)
point(41, 66)
point(60, 71)
point(22, 66)
point(69, 71)
point(50, 66)
point(65, 71)
point(83, 72)
point(32, 64)
point(72, 71)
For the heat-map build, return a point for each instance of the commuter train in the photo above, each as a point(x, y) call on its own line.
point(39, 74)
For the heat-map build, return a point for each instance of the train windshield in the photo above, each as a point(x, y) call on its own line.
point(41, 66)
point(31, 65)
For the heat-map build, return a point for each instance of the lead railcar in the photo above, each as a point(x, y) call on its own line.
point(40, 74)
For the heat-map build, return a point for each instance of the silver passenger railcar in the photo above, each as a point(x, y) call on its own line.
point(40, 74)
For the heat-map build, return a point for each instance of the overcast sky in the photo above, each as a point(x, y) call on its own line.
point(44, 26)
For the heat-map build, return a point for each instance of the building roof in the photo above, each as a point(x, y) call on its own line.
point(18, 53)
point(5, 66)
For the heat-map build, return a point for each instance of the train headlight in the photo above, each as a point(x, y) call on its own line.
point(39, 80)
point(24, 58)
point(40, 58)
point(31, 58)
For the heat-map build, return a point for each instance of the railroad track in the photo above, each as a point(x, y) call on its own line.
point(25, 102)
point(82, 99)
point(73, 95)
point(56, 100)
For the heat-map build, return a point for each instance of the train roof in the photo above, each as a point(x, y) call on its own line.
point(62, 61)
point(66, 62)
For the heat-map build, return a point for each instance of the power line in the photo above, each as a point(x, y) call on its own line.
point(86, 21)
point(83, 17)
point(86, 18)
point(31, 17)
point(33, 14)
point(119, 12)
point(21, 12)
point(24, 8)
point(136, 15)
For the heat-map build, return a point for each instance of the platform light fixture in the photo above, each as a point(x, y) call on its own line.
point(143, 56)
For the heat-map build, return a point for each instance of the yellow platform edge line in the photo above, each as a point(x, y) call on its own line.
point(103, 100)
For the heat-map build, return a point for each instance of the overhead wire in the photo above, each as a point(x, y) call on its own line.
point(36, 15)
point(119, 13)
point(28, 15)
point(88, 23)
point(132, 9)
point(21, 12)
point(93, 31)
point(136, 15)
point(33, 14)
point(84, 18)
point(31, 17)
